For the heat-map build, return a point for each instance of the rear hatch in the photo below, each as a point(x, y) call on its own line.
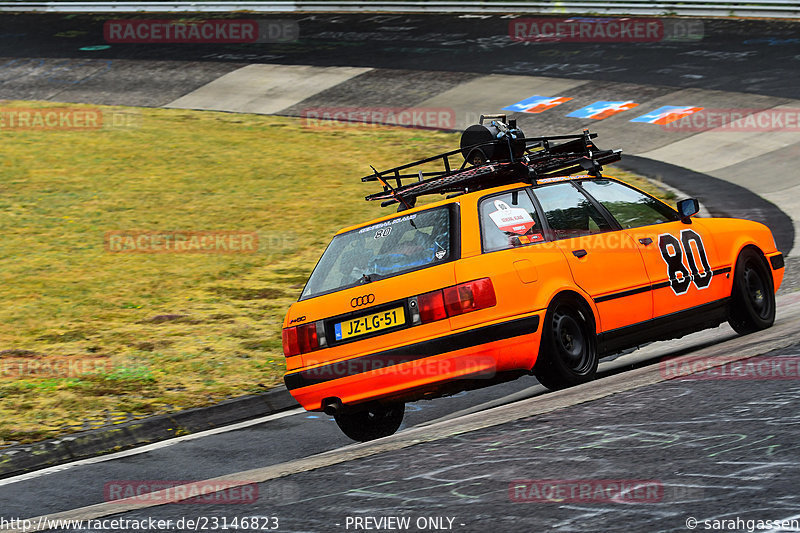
point(362, 296)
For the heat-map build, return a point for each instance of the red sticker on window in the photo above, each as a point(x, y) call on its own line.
point(511, 219)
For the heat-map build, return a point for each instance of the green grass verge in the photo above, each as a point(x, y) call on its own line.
point(176, 330)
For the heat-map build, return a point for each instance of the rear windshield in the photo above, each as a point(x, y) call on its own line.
point(389, 248)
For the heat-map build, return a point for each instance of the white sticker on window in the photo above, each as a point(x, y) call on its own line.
point(511, 219)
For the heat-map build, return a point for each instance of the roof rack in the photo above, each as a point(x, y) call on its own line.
point(501, 156)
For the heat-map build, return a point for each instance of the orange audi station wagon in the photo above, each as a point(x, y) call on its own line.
point(523, 268)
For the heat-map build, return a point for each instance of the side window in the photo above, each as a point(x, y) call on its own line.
point(509, 220)
point(569, 213)
point(630, 207)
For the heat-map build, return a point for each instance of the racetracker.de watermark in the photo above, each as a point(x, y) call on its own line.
point(738, 119)
point(67, 118)
point(206, 31)
point(585, 491)
point(723, 368)
point(186, 492)
point(53, 367)
point(604, 30)
point(443, 118)
point(52, 118)
point(478, 366)
point(181, 242)
point(608, 241)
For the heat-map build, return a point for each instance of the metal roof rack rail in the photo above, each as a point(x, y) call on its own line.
point(494, 154)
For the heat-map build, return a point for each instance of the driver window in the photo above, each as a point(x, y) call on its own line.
point(509, 220)
point(630, 207)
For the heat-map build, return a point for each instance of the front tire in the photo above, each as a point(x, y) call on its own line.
point(568, 353)
point(752, 306)
point(372, 422)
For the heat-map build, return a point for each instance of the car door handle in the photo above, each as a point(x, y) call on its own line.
point(647, 241)
point(579, 253)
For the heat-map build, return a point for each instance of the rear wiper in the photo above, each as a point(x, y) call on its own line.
point(369, 278)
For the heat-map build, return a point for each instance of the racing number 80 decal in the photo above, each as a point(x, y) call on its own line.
point(673, 251)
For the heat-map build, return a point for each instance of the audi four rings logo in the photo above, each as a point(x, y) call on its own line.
point(362, 300)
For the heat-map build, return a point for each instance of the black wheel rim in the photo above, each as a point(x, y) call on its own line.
point(570, 340)
point(756, 290)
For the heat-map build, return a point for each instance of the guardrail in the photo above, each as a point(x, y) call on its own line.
point(712, 8)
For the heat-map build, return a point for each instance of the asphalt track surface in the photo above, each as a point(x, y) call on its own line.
point(274, 442)
point(751, 56)
point(716, 447)
point(737, 456)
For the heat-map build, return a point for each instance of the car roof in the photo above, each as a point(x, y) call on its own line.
point(475, 195)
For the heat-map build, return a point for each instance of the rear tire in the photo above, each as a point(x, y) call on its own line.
point(372, 422)
point(568, 353)
point(752, 306)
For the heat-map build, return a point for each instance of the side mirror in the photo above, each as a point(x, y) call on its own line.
point(688, 208)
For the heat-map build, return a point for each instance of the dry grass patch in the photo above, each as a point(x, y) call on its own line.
point(177, 329)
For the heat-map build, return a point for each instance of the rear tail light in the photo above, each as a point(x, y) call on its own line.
point(425, 308)
point(469, 296)
point(303, 339)
point(431, 306)
point(457, 300)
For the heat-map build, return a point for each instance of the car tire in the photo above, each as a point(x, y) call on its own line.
point(568, 351)
point(752, 306)
point(373, 422)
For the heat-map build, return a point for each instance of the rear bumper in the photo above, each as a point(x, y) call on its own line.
point(478, 353)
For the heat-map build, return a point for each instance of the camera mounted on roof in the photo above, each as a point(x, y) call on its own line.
point(494, 153)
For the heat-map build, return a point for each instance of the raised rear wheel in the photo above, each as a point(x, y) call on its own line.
point(372, 422)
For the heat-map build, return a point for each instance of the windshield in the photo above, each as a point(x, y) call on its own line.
point(385, 249)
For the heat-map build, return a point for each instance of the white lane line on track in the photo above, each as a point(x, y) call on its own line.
point(149, 447)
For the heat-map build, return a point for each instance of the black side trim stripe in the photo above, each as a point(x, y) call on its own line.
point(670, 326)
point(623, 294)
point(698, 310)
point(646, 288)
point(413, 352)
point(776, 261)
